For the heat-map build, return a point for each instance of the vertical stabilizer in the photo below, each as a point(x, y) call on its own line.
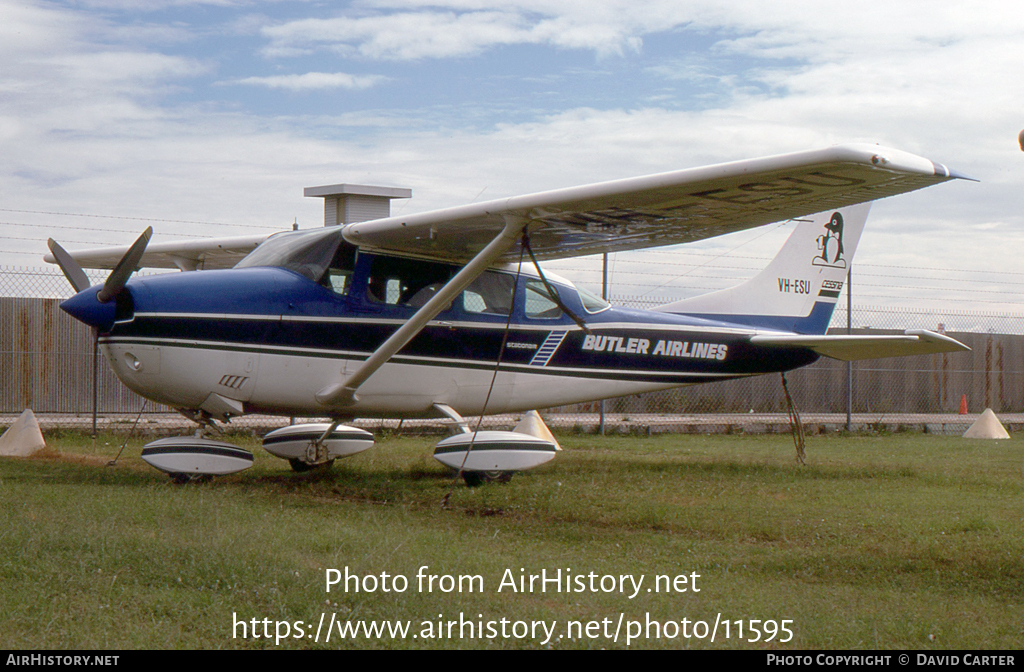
point(799, 288)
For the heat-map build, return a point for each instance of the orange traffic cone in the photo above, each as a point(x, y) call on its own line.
point(963, 405)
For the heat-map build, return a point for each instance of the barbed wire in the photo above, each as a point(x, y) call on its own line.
point(731, 255)
point(860, 266)
point(138, 219)
point(657, 281)
point(88, 228)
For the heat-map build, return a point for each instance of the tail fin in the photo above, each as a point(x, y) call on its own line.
point(799, 288)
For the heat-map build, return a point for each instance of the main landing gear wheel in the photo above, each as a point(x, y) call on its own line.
point(476, 478)
point(182, 478)
point(301, 466)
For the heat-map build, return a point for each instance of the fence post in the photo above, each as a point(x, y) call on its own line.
point(95, 376)
point(604, 295)
point(849, 365)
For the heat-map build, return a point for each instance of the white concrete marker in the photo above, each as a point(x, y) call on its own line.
point(987, 427)
point(23, 438)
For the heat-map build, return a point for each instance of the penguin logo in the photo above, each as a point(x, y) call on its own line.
point(830, 244)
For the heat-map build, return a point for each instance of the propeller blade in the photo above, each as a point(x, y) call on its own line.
point(125, 267)
point(72, 270)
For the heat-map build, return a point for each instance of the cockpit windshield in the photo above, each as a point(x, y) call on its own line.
point(306, 252)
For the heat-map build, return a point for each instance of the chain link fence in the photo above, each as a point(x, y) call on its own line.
point(48, 365)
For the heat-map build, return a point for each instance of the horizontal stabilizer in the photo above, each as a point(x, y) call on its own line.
point(850, 348)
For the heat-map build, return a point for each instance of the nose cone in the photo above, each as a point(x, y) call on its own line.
point(85, 307)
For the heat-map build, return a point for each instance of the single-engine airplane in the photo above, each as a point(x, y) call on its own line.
point(447, 313)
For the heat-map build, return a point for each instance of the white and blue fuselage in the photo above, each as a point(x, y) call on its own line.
point(269, 338)
point(307, 313)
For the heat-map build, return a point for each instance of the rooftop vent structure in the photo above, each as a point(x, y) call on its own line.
point(348, 203)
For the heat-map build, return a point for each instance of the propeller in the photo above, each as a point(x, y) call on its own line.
point(118, 277)
point(71, 268)
point(97, 313)
point(125, 267)
point(92, 305)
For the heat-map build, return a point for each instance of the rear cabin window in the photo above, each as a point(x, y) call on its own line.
point(591, 302)
point(405, 282)
point(490, 294)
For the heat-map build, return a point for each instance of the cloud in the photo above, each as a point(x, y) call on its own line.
point(157, 5)
point(456, 32)
point(64, 77)
point(402, 36)
point(86, 126)
point(311, 81)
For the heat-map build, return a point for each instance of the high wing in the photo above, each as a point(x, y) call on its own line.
point(664, 209)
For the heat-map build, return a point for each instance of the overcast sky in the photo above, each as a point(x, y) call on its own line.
point(219, 112)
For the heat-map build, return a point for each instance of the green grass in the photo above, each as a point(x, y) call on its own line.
point(900, 541)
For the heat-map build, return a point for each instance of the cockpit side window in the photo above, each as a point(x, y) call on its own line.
point(539, 304)
point(490, 294)
point(338, 276)
point(405, 282)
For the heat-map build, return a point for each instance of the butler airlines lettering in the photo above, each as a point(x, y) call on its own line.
point(662, 348)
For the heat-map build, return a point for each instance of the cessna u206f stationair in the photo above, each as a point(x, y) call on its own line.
point(447, 312)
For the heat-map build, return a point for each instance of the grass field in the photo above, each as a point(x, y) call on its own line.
point(893, 541)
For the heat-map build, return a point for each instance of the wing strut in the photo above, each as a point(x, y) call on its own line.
point(344, 393)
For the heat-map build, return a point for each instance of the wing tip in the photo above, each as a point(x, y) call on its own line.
point(936, 337)
point(941, 170)
point(881, 156)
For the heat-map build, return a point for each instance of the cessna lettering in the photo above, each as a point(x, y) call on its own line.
point(641, 346)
